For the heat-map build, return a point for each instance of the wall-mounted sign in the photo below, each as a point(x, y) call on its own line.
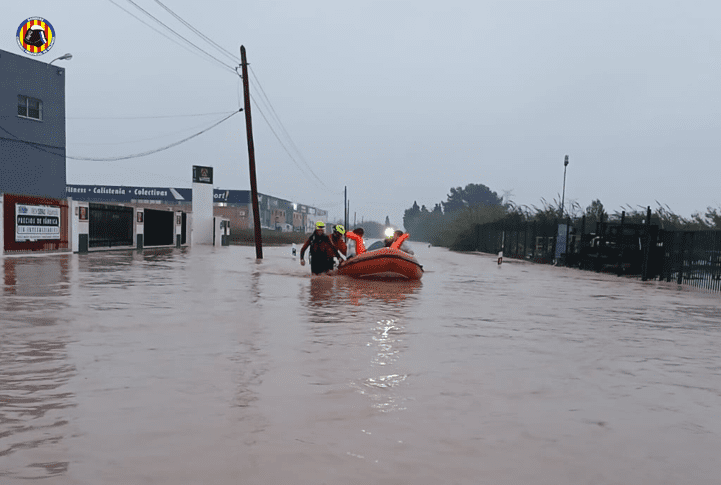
point(83, 213)
point(202, 175)
point(140, 217)
point(33, 222)
point(124, 193)
point(178, 220)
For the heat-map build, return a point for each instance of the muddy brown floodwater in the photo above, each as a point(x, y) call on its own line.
point(205, 366)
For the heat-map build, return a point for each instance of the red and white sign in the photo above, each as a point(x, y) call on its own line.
point(34, 222)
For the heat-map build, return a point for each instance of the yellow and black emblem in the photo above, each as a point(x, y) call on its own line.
point(36, 36)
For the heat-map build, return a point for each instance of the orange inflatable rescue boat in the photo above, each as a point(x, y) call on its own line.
point(383, 263)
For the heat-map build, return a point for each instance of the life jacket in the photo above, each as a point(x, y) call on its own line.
point(399, 241)
point(316, 242)
point(321, 245)
point(360, 248)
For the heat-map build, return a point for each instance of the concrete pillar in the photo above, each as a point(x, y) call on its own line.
point(178, 228)
point(139, 228)
point(80, 226)
point(202, 205)
point(225, 237)
point(222, 231)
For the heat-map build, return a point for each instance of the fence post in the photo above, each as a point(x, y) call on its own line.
point(669, 242)
point(555, 241)
point(619, 244)
point(679, 275)
point(503, 241)
point(647, 249)
point(568, 231)
point(533, 243)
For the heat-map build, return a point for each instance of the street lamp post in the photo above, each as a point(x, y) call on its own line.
point(64, 57)
point(563, 198)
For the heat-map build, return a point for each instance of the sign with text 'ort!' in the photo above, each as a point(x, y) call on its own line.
point(34, 222)
point(202, 175)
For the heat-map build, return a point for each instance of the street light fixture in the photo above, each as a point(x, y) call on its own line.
point(563, 198)
point(64, 57)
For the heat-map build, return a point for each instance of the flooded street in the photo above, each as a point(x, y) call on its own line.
point(204, 365)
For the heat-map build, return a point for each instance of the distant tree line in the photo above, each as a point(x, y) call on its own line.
point(450, 222)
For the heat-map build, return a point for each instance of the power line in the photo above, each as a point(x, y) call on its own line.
point(284, 130)
point(150, 152)
point(234, 70)
point(262, 91)
point(176, 33)
point(124, 157)
point(184, 130)
point(143, 117)
point(150, 26)
point(37, 146)
point(235, 59)
point(199, 33)
point(281, 142)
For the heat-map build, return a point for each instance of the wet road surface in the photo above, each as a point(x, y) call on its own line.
point(204, 365)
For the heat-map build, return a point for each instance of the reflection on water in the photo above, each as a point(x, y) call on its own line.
point(330, 296)
point(38, 276)
point(388, 340)
point(205, 365)
point(34, 367)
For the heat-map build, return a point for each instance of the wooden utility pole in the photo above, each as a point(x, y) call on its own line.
point(251, 157)
point(345, 209)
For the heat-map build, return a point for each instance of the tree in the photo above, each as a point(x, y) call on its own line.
point(437, 209)
point(471, 195)
point(411, 216)
point(413, 212)
point(388, 221)
point(596, 210)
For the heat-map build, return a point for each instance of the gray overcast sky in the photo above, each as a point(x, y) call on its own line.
point(401, 100)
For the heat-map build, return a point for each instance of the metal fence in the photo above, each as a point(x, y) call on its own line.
point(693, 258)
point(687, 257)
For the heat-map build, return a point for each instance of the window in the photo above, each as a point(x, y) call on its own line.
point(30, 107)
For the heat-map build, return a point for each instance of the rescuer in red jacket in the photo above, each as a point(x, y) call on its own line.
point(337, 239)
point(321, 251)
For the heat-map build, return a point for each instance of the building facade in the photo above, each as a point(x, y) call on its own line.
point(275, 213)
point(32, 127)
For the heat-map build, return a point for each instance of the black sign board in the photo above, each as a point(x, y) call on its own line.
point(202, 175)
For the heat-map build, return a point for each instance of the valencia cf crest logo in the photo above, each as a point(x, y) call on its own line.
point(36, 36)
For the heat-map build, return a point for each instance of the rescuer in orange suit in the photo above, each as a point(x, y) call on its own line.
point(357, 236)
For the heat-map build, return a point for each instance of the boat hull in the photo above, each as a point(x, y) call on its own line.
point(385, 263)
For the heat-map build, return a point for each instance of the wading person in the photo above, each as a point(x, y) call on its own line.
point(337, 239)
point(321, 251)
